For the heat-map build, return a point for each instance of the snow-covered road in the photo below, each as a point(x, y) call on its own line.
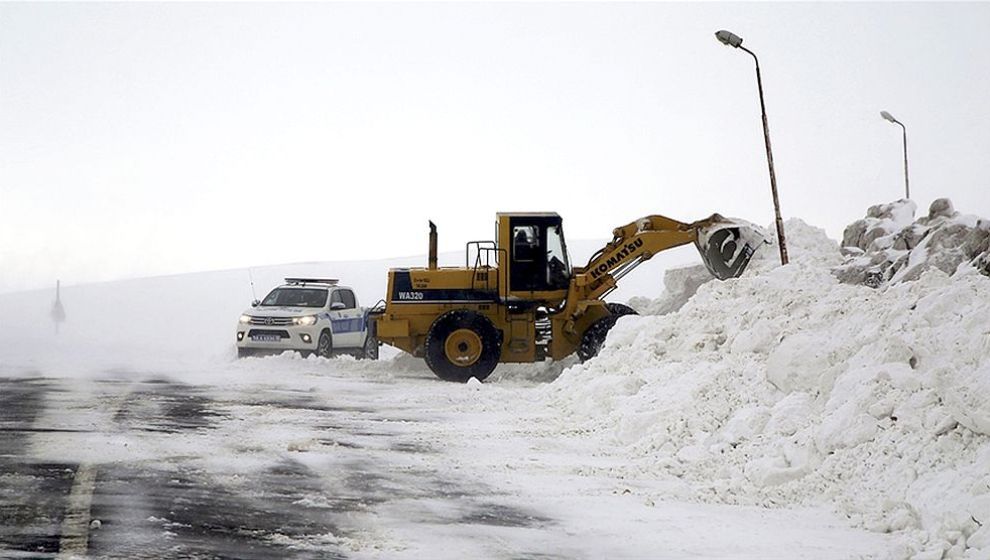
point(282, 457)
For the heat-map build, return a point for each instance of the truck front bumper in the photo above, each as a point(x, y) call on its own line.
point(277, 339)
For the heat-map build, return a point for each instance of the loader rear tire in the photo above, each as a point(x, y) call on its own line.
point(462, 344)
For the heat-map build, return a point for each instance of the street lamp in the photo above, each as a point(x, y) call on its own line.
point(888, 117)
point(58, 312)
point(730, 39)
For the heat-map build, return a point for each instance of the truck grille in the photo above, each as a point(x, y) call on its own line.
point(271, 321)
point(256, 332)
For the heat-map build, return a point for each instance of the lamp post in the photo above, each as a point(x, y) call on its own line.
point(58, 312)
point(732, 40)
point(888, 117)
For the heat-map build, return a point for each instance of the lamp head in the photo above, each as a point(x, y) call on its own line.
point(887, 116)
point(729, 38)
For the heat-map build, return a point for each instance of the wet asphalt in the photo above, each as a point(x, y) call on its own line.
point(176, 506)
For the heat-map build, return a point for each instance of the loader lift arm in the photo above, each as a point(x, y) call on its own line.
point(724, 247)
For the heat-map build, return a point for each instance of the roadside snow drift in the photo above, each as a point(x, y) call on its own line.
point(788, 387)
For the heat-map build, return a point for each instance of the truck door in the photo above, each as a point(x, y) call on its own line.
point(348, 321)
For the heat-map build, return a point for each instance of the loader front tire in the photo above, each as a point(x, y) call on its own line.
point(620, 309)
point(462, 344)
point(594, 337)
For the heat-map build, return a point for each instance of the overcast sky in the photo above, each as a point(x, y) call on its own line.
point(147, 139)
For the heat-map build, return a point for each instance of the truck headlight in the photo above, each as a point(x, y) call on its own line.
point(306, 321)
point(245, 319)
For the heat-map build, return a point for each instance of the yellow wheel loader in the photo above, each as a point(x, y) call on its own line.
point(518, 299)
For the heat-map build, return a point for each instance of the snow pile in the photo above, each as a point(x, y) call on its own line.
point(787, 387)
point(889, 245)
point(679, 285)
point(805, 243)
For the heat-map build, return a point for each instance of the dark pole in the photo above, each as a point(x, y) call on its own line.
point(907, 188)
point(773, 176)
point(58, 311)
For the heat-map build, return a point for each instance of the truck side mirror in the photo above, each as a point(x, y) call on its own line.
point(337, 305)
point(255, 303)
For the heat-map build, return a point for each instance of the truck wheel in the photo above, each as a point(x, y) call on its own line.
point(324, 347)
point(370, 350)
point(244, 352)
point(463, 344)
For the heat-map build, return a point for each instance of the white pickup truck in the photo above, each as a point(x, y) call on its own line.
point(309, 315)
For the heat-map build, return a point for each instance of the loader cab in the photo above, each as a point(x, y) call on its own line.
point(538, 266)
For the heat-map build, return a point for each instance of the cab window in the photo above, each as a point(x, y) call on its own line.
point(538, 254)
point(347, 297)
point(525, 243)
point(558, 269)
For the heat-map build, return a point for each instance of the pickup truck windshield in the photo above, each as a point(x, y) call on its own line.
point(296, 297)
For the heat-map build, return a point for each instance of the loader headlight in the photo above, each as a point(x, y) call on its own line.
point(245, 319)
point(306, 321)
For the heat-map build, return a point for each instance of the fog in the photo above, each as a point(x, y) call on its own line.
point(143, 139)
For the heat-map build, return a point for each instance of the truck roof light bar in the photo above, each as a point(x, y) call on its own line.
point(330, 281)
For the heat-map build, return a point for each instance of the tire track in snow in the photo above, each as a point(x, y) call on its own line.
point(74, 538)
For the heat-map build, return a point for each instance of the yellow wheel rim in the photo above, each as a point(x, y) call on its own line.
point(463, 347)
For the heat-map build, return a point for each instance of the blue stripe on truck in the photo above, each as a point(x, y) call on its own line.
point(352, 324)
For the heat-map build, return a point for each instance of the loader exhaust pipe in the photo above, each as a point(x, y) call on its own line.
point(433, 246)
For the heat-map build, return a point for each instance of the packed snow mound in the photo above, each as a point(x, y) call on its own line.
point(788, 387)
point(805, 244)
point(887, 245)
point(679, 285)
point(890, 245)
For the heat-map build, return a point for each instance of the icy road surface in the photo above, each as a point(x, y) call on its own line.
point(289, 458)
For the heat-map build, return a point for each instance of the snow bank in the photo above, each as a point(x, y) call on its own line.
point(805, 243)
point(788, 387)
point(679, 285)
point(889, 245)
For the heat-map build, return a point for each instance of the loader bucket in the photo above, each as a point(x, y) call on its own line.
point(726, 247)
